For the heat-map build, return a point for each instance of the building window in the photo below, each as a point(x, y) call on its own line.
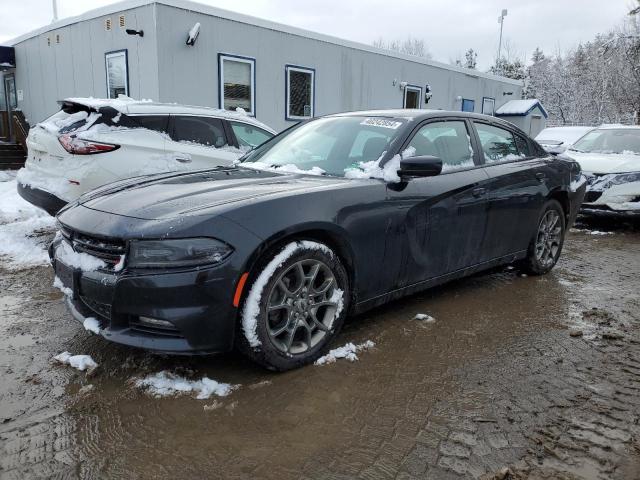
point(117, 74)
point(468, 105)
point(237, 83)
point(300, 92)
point(488, 106)
point(412, 96)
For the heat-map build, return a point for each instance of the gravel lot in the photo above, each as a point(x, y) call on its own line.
point(537, 375)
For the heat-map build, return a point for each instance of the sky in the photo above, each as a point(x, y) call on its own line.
point(449, 28)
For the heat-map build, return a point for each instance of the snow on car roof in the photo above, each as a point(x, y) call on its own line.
point(610, 126)
point(563, 134)
point(130, 105)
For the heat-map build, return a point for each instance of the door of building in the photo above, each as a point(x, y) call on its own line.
point(8, 103)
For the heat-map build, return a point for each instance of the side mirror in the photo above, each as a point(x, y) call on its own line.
point(422, 166)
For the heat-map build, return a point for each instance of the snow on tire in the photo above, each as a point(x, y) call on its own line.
point(295, 306)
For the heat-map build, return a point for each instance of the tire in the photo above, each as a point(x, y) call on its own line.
point(546, 245)
point(297, 303)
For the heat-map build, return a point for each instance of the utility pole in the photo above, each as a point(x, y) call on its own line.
point(55, 11)
point(501, 22)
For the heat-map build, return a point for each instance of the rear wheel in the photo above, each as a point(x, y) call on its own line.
point(295, 307)
point(546, 245)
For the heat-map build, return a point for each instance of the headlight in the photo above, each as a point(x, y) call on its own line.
point(181, 252)
point(625, 178)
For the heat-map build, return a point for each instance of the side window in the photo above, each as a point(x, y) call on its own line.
point(497, 143)
point(159, 123)
point(248, 135)
point(523, 146)
point(206, 131)
point(448, 141)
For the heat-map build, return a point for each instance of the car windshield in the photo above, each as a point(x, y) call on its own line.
point(610, 140)
point(327, 145)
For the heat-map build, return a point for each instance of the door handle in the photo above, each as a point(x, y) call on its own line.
point(183, 160)
point(541, 177)
point(478, 192)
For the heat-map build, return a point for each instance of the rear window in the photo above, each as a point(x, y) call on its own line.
point(75, 118)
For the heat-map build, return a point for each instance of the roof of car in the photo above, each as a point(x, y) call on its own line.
point(618, 126)
point(129, 105)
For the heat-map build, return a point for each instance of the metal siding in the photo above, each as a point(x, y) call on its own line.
point(76, 66)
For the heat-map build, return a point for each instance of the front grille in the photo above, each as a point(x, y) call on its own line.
point(109, 251)
point(145, 329)
point(592, 196)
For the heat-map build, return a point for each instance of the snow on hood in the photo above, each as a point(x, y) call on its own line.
point(605, 162)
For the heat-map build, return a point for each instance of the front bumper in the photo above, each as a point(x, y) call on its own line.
point(41, 199)
point(616, 198)
point(197, 303)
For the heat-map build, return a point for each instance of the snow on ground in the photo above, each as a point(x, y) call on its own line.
point(348, 351)
point(423, 317)
point(21, 227)
point(166, 384)
point(79, 362)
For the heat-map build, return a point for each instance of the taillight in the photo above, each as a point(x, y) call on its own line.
point(77, 146)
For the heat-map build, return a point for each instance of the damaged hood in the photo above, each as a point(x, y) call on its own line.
point(197, 193)
point(605, 162)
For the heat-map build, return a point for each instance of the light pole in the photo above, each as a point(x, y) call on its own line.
point(501, 22)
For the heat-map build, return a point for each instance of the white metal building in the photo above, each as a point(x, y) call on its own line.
point(279, 73)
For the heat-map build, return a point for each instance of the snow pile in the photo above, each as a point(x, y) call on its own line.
point(289, 168)
point(165, 384)
point(121, 103)
point(80, 362)
point(372, 169)
point(423, 317)
point(83, 261)
point(92, 325)
point(251, 308)
point(598, 232)
point(575, 185)
point(22, 227)
point(348, 351)
point(57, 283)
point(61, 119)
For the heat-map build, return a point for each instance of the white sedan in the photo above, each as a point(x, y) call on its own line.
point(557, 139)
point(610, 159)
point(92, 142)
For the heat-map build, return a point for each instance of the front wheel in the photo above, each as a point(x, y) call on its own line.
point(545, 247)
point(295, 307)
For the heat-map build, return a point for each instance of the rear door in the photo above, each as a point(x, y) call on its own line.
point(443, 217)
point(517, 188)
point(200, 142)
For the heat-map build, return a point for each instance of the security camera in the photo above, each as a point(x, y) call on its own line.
point(193, 34)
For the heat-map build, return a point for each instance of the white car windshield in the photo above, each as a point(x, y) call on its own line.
point(610, 140)
point(327, 145)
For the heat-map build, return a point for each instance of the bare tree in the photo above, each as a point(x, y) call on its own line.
point(408, 46)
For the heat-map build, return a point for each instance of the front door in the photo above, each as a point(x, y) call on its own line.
point(442, 219)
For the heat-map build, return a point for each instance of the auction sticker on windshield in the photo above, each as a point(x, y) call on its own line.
point(381, 122)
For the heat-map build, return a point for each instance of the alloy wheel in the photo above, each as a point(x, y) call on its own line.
point(548, 238)
point(302, 306)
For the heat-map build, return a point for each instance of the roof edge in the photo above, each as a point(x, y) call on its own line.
point(255, 21)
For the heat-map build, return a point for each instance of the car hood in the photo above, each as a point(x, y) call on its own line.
point(605, 162)
point(197, 193)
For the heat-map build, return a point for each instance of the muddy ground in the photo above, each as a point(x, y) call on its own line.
point(538, 375)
